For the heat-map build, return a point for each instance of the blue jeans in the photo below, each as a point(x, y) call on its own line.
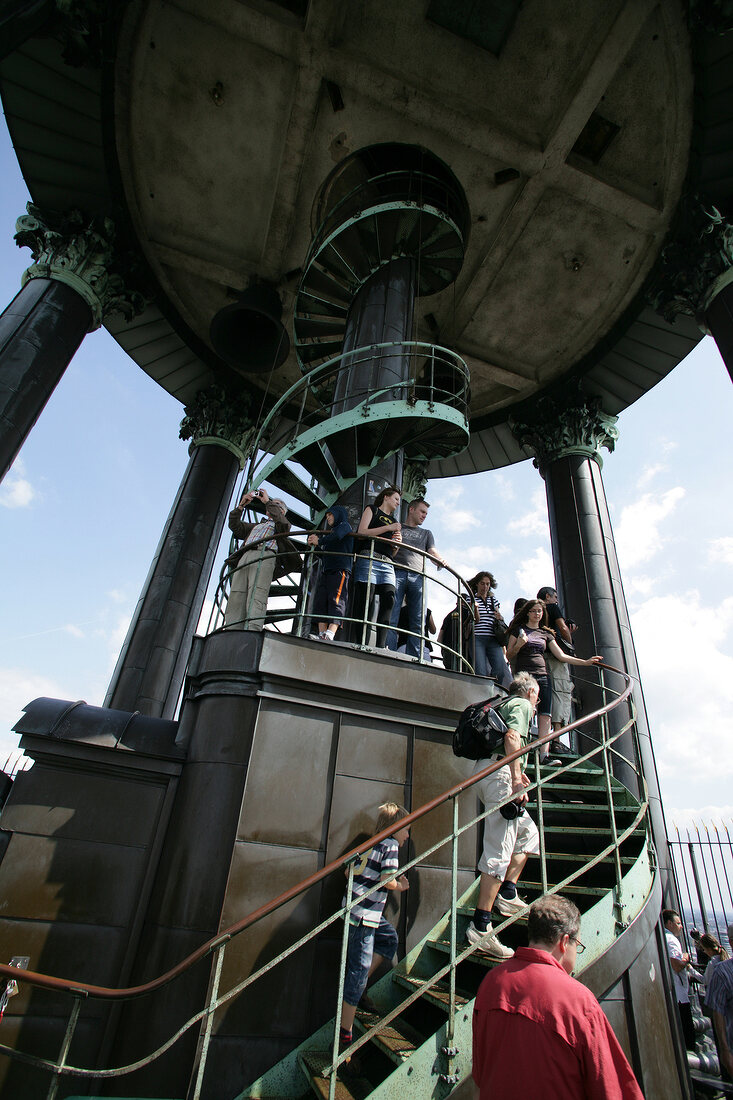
point(490, 659)
point(364, 940)
point(408, 586)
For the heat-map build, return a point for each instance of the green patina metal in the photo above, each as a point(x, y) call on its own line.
point(566, 423)
point(81, 253)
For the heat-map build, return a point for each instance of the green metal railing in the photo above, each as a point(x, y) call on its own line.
point(292, 608)
point(435, 384)
point(603, 753)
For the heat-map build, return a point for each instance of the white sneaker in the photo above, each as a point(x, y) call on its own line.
point(509, 907)
point(487, 942)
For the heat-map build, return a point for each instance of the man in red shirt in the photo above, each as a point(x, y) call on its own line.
point(539, 1033)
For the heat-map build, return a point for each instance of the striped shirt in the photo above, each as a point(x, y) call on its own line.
point(487, 610)
point(378, 863)
point(719, 995)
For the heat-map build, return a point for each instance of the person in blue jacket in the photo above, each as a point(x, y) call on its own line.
point(336, 551)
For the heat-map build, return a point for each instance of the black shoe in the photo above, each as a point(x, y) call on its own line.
point(366, 1004)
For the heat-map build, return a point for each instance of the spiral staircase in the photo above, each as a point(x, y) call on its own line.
point(354, 408)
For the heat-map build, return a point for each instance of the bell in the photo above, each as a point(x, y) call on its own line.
point(248, 334)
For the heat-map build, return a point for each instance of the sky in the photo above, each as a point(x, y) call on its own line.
point(82, 509)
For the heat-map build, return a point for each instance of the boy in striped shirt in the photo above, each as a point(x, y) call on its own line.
point(372, 939)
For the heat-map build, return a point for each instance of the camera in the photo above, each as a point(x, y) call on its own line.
point(511, 810)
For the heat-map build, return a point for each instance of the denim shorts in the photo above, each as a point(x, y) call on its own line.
point(364, 942)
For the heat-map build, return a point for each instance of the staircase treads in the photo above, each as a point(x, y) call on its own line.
point(398, 1040)
point(309, 327)
point(438, 994)
point(322, 283)
point(351, 1088)
point(569, 888)
point(576, 857)
point(288, 482)
point(314, 460)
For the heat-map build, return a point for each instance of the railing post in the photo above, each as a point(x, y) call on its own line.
point(202, 1048)
point(342, 981)
point(611, 806)
point(449, 1049)
point(540, 821)
point(66, 1044)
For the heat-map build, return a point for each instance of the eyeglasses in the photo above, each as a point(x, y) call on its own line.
point(579, 947)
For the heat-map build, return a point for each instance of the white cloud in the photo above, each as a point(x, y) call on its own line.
point(535, 572)
point(684, 819)
point(462, 520)
point(689, 689)
point(721, 550)
point(17, 491)
point(117, 596)
point(534, 522)
point(504, 488)
point(18, 687)
point(637, 534)
point(649, 473)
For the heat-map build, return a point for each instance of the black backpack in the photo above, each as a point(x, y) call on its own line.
point(480, 730)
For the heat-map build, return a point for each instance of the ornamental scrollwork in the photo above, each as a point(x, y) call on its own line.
point(694, 264)
point(566, 425)
point(217, 416)
point(80, 252)
point(414, 480)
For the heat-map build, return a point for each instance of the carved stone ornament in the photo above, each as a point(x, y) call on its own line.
point(561, 427)
point(711, 16)
point(695, 265)
point(222, 419)
point(78, 27)
point(79, 252)
point(414, 480)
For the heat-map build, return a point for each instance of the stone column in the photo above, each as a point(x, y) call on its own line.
point(566, 434)
point(69, 290)
point(694, 273)
point(152, 664)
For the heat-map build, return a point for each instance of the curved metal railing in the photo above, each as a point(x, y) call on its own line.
point(292, 607)
point(434, 376)
point(603, 753)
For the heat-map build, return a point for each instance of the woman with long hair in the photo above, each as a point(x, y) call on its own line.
point(529, 639)
point(378, 525)
point(715, 952)
point(489, 658)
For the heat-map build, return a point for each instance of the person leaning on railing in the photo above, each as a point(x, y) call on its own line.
point(336, 547)
point(378, 530)
point(255, 567)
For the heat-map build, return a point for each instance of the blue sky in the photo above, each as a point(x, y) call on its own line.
point(82, 510)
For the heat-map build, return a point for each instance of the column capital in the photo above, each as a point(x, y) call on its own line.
point(222, 419)
point(79, 251)
point(561, 425)
point(414, 479)
point(711, 16)
point(695, 264)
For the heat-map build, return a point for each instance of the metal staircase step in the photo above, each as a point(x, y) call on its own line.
point(571, 888)
point(323, 284)
point(314, 1062)
point(397, 1040)
point(318, 327)
point(288, 481)
point(438, 995)
point(315, 459)
point(313, 353)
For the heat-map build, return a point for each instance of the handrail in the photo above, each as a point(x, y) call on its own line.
point(300, 611)
point(455, 395)
point(217, 945)
point(108, 993)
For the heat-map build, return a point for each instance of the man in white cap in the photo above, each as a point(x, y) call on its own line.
point(255, 560)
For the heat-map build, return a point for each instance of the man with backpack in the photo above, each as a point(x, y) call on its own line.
point(510, 835)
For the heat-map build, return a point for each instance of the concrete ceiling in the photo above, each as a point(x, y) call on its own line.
point(225, 132)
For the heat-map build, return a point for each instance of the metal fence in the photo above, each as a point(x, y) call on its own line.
point(702, 855)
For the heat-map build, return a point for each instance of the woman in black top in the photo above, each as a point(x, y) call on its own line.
point(529, 639)
point(376, 574)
